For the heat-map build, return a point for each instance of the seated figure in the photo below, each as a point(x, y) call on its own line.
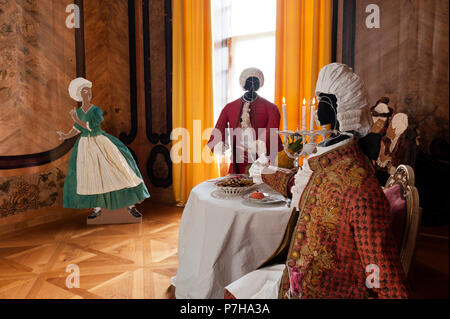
point(339, 242)
point(381, 115)
point(393, 144)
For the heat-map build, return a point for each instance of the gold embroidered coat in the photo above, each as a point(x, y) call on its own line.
point(343, 230)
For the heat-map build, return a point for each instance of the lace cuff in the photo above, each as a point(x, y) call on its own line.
point(77, 130)
point(257, 168)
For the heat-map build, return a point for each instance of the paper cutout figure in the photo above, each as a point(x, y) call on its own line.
point(381, 115)
point(394, 145)
point(102, 172)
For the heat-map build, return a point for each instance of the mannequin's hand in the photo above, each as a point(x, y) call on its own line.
point(382, 157)
point(74, 115)
point(378, 126)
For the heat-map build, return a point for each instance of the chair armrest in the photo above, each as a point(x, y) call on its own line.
point(279, 179)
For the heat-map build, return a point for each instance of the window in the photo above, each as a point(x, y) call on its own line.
point(244, 36)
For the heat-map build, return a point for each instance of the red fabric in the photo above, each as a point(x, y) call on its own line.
point(344, 226)
point(228, 295)
point(263, 114)
point(277, 178)
point(398, 212)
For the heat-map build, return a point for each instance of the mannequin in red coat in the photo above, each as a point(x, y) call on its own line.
point(252, 124)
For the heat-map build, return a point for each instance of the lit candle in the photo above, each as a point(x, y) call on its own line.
point(311, 116)
point(285, 127)
point(304, 115)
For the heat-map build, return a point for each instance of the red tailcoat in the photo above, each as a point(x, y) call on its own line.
point(263, 114)
point(344, 226)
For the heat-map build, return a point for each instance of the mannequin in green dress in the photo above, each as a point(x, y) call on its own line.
point(102, 172)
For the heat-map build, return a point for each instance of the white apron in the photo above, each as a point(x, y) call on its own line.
point(101, 167)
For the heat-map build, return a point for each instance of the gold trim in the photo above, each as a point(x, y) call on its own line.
point(302, 204)
point(410, 237)
point(317, 168)
point(404, 176)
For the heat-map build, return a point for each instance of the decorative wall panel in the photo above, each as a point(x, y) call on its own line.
point(157, 47)
point(107, 43)
point(31, 192)
point(37, 62)
point(157, 33)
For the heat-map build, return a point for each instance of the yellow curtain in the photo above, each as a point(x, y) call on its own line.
point(192, 92)
point(303, 47)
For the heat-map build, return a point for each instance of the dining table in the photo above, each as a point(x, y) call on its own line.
point(222, 238)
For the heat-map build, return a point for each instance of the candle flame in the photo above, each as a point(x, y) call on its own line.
point(304, 101)
point(314, 101)
point(284, 100)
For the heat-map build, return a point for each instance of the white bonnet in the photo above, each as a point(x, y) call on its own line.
point(353, 112)
point(76, 86)
point(382, 108)
point(247, 73)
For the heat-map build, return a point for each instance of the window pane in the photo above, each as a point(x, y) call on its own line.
point(254, 51)
point(252, 16)
point(248, 26)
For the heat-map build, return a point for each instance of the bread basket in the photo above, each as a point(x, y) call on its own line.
point(236, 190)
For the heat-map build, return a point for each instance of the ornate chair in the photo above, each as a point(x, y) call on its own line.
point(406, 227)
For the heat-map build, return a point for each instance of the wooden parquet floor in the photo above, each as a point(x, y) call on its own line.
point(115, 261)
point(137, 261)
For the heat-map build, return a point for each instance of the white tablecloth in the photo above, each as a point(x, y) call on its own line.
point(222, 240)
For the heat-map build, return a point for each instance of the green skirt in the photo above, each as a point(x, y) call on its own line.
point(112, 200)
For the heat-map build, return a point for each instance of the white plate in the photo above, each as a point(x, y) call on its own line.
point(270, 198)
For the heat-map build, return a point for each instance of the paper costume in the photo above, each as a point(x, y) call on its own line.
point(102, 173)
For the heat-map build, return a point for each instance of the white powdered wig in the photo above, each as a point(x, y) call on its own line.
point(76, 86)
point(247, 73)
point(353, 112)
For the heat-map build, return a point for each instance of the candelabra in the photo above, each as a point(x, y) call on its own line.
point(308, 137)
